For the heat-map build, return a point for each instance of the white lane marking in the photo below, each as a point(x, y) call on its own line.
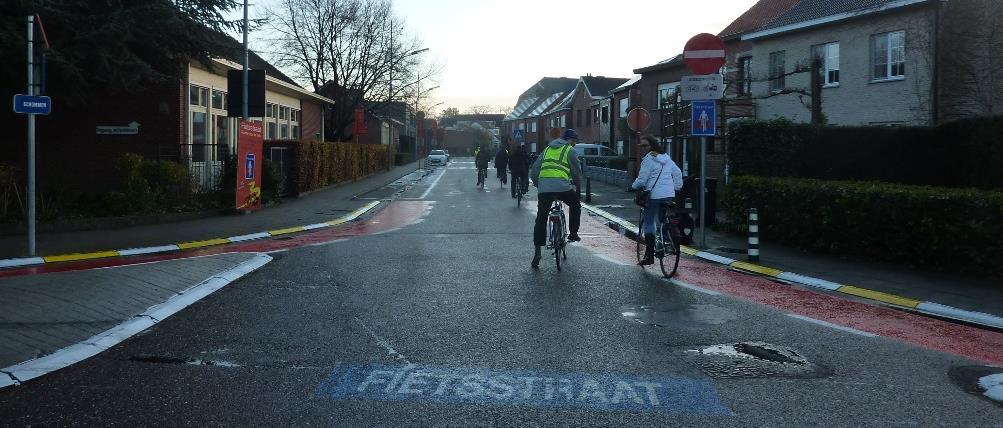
point(611, 260)
point(993, 386)
point(434, 182)
point(961, 314)
point(386, 231)
point(277, 251)
point(73, 354)
point(694, 287)
point(315, 226)
point(147, 250)
point(382, 342)
point(319, 244)
point(831, 325)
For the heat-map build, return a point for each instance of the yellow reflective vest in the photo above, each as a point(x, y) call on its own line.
point(555, 163)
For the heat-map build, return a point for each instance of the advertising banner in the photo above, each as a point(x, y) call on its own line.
point(249, 162)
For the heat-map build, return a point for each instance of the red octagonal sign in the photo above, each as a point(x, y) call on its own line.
point(704, 54)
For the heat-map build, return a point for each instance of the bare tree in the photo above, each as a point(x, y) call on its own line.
point(971, 37)
point(351, 50)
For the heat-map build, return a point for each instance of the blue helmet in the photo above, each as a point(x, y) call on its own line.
point(569, 134)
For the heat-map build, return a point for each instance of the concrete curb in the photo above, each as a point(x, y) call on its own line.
point(30, 261)
point(22, 372)
point(928, 308)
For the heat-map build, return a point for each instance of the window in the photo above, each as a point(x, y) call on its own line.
point(269, 110)
point(285, 131)
point(664, 95)
point(283, 112)
point(777, 70)
point(199, 136)
point(624, 104)
point(605, 114)
point(578, 118)
point(271, 130)
point(829, 54)
point(888, 55)
point(745, 75)
point(199, 96)
point(217, 100)
point(532, 127)
point(588, 117)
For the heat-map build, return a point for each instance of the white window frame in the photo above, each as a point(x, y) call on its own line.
point(778, 69)
point(624, 107)
point(532, 126)
point(892, 44)
point(829, 53)
point(744, 75)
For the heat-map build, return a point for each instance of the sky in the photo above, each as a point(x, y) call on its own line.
point(493, 50)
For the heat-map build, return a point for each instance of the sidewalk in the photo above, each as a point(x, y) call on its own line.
point(50, 321)
point(316, 207)
point(967, 293)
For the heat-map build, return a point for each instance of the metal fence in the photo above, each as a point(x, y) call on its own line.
point(207, 164)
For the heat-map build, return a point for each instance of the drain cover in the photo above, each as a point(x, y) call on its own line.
point(985, 381)
point(753, 360)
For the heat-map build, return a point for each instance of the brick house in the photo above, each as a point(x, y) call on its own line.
point(577, 108)
point(620, 100)
point(528, 113)
point(182, 120)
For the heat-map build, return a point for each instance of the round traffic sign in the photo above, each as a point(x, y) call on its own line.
point(638, 119)
point(704, 53)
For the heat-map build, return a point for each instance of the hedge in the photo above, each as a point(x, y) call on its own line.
point(321, 164)
point(958, 230)
point(966, 153)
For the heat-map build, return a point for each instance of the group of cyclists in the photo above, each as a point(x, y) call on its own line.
point(557, 174)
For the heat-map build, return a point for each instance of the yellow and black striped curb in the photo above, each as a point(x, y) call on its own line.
point(925, 307)
point(29, 261)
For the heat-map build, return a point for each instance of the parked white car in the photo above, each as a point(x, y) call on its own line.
point(438, 156)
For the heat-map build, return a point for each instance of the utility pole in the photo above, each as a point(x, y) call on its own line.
point(31, 138)
point(246, 55)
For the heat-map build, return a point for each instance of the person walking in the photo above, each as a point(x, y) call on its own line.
point(556, 173)
point(662, 177)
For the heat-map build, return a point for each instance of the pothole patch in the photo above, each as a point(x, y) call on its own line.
point(678, 315)
point(984, 381)
point(753, 360)
point(163, 359)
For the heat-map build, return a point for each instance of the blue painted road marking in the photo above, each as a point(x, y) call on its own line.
point(452, 385)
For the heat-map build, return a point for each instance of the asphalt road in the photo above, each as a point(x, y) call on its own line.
point(437, 319)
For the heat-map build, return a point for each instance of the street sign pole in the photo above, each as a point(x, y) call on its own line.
point(703, 192)
point(244, 89)
point(31, 139)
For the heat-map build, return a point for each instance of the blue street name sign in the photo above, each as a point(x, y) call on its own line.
point(704, 119)
point(28, 104)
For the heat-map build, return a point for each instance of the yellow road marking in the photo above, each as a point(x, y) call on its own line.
point(879, 296)
point(688, 250)
point(80, 256)
point(205, 243)
point(286, 230)
point(757, 269)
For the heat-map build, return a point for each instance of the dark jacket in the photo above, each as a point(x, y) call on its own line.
point(518, 163)
point(501, 159)
point(482, 160)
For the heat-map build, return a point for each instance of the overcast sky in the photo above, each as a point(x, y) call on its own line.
point(493, 50)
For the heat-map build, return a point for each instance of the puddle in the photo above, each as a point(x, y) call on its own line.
point(984, 381)
point(678, 315)
point(753, 360)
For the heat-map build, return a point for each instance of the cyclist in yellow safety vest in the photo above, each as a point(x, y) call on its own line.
point(556, 173)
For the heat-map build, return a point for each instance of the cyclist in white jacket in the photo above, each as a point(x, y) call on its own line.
point(662, 177)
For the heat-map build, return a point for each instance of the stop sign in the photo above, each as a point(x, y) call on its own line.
point(704, 53)
point(638, 119)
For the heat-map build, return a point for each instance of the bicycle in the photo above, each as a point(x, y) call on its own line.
point(666, 240)
point(557, 233)
point(517, 188)
point(482, 176)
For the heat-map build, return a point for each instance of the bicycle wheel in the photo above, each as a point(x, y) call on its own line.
point(640, 237)
point(669, 261)
point(558, 245)
point(564, 236)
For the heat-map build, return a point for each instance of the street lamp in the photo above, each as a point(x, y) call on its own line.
point(417, 98)
point(390, 92)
